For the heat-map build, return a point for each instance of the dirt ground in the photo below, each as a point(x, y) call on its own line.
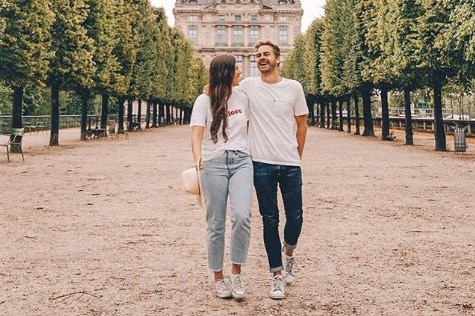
point(103, 228)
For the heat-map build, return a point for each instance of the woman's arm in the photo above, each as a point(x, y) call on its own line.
point(197, 133)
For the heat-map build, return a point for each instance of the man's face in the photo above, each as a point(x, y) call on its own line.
point(266, 60)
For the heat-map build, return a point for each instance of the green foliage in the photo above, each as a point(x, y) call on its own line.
point(5, 100)
point(36, 101)
point(25, 42)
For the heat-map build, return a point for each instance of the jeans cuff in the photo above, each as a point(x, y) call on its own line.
point(277, 269)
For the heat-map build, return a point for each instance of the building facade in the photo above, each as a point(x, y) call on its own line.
point(234, 26)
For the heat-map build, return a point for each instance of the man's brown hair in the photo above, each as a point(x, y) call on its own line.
point(275, 48)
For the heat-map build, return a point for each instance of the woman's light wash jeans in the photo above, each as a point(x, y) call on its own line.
point(231, 174)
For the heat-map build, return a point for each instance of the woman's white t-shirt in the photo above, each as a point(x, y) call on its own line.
point(237, 116)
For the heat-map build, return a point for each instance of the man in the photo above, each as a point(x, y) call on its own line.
point(277, 132)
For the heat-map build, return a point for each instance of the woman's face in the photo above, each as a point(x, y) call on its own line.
point(237, 76)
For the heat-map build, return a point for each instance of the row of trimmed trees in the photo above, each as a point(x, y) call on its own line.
point(399, 46)
point(121, 50)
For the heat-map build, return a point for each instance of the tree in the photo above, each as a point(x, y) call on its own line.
point(24, 48)
point(103, 25)
point(434, 58)
point(71, 64)
point(160, 71)
point(402, 24)
point(125, 52)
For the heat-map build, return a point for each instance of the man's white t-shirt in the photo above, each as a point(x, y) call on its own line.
point(272, 124)
point(237, 116)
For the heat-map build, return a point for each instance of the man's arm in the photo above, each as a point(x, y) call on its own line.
point(301, 132)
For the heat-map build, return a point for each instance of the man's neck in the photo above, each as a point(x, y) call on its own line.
point(273, 77)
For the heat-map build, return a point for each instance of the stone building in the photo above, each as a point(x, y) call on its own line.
point(234, 26)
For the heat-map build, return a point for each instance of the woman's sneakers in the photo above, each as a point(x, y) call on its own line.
point(231, 287)
point(238, 291)
point(223, 288)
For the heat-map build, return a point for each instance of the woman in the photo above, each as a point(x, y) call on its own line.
point(219, 138)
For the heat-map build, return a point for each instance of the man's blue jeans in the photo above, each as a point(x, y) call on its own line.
point(289, 179)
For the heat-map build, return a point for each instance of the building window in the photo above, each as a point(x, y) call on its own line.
point(237, 35)
point(283, 35)
point(282, 19)
point(193, 33)
point(221, 35)
point(194, 1)
point(253, 34)
point(253, 71)
point(282, 2)
point(281, 59)
point(237, 18)
point(254, 18)
point(221, 17)
point(192, 18)
point(239, 59)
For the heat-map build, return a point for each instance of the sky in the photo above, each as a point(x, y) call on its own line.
point(312, 9)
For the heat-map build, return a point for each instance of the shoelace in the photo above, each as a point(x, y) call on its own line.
point(278, 284)
point(237, 282)
point(222, 285)
point(290, 265)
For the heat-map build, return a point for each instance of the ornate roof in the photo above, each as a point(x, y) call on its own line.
point(264, 2)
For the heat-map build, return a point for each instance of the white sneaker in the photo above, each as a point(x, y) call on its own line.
point(223, 288)
point(238, 290)
point(288, 263)
point(277, 291)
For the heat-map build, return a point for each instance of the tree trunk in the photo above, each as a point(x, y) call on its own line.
point(322, 113)
point(120, 110)
point(348, 115)
point(139, 115)
point(385, 115)
point(167, 114)
point(130, 113)
point(104, 110)
point(155, 114)
point(161, 113)
point(147, 115)
point(54, 133)
point(311, 109)
point(367, 116)
point(440, 141)
point(408, 117)
point(17, 109)
point(340, 115)
point(333, 108)
point(84, 110)
point(357, 115)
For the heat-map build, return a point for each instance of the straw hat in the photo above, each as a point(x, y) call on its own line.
point(192, 182)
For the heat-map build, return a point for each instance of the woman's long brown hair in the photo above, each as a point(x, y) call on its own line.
point(221, 74)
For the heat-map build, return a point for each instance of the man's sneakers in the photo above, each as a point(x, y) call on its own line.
point(223, 288)
point(277, 291)
point(288, 262)
point(231, 287)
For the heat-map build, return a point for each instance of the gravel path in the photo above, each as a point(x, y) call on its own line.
point(102, 228)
